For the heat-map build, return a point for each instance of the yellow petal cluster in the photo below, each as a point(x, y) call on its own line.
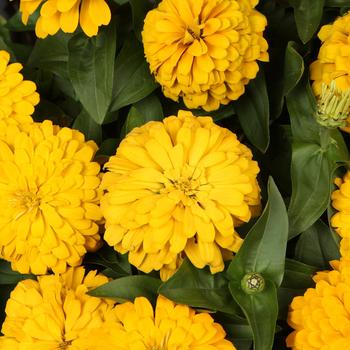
point(333, 61)
point(321, 317)
point(49, 197)
point(66, 15)
point(341, 219)
point(17, 96)
point(179, 187)
point(204, 51)
point(56, 313)
point(169, 326)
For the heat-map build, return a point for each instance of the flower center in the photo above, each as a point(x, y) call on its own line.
point(186, 181)
point(163, 345)
point(24, 201)
point(193, 32)
point(64, 345)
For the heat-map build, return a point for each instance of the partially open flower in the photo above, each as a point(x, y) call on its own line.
point(204, 51)
point(341, 220)
point(333, 63)
point(49, 198)
point(169, 326)
point(179, 187)
point(17, 96)
point(55, 312)
point(65, 15)
point(320, 318)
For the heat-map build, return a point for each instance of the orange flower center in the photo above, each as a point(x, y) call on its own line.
point(64, 345)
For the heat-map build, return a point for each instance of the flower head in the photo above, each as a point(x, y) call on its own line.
point(17, 96)
point(169, 326)
point(179, 187)
point(204, 51)
point(321, 317)
point(65, 15)
point(49, 197)
point(341, 220)
point(55, 312)
point(332, 64)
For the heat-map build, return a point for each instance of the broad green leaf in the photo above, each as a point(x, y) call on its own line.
point(316, 154)
point(132, 78)
point(253, 112)
point(263, 252)
point(91, 70)
point(337, 3)
point(51, 54)
point(139, 11)
point(301, 105)
point(318, 245)
point(108, 147)
point(261, 311)
point(264, 247)
point(297, 278)
point(308, 16)
point(128, 288)
point(293, 68)
point(142, 112)
point(199, 288)
point(109, 258)
point(8, 276)
point(88, 127)
point(15, 23)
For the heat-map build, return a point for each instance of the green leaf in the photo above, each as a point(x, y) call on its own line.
point(139, 11)
point(109, 258)
point(88, 127)
point(261, 311)
point(263, 252)
point(8, 276)
point(264, 247)
point(316, 154)
point(108, 147)
point(253, 112)
point(91, 70)
point(318, 245)
point(15, 23)
point(121, 2)
point(337, 3)
point(297, 278)
point(293, 68)
point(199, 288)
point(51, 54)
point(142, 112)
point(132, 79)
point(128, 288)
point(308, 16)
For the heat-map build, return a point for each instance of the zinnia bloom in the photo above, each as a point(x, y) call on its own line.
point(321, 317)
point(341, 220)
point(205, 51)
point(333, 62)
point(179, 186)
point(56, 313)
point(49, 197)
point(17, 96)
point(66, 14)
point(170, 326)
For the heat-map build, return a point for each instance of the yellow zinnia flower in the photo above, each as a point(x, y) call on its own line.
point(66, 14)
point(179, 186)
point(49, 197)
point(56, 313)
point(341, 220)
point(333, 66)
point(320, 318)
point(169, 326)
point(17, 96)
point(204, 50)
